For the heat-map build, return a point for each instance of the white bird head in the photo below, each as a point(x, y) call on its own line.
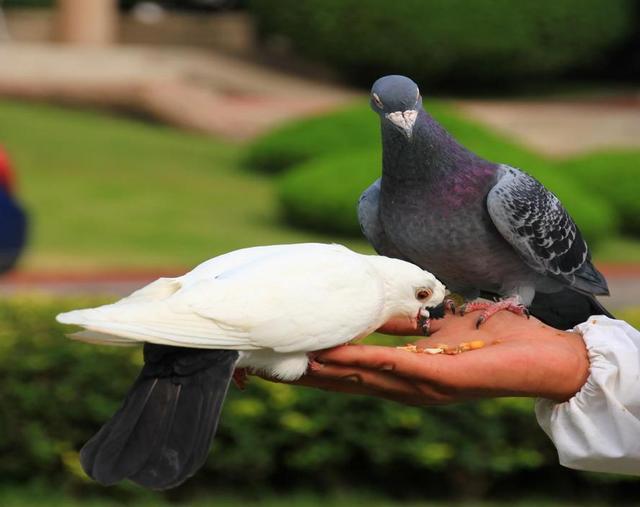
point(409, 290)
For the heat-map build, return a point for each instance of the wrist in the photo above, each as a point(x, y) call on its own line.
point(567, 367)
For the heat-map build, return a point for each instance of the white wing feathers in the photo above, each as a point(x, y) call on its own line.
point(264, 297)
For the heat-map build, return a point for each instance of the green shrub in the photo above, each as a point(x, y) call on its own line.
point(55, 393)
point(462, 41)
point(615, 176)
point(322, 193)
point(357, 127)
point(337, 132)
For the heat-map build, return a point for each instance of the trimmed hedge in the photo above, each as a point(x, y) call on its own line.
point(434, 41)
point(614, 176)
point(322, 193)
point(56, 393)
point(305, 139)
point(357, 128)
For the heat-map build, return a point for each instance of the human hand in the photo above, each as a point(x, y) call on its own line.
point(521, 357)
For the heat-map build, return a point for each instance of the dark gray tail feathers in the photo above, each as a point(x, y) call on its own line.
point(162, 433)
point(589, 280)
point(566, 309)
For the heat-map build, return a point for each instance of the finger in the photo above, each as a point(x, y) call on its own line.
point(403, 326)
point(473, 372)
point(349, 387)
point(375, 357)
point(384, 383)
point(381, 380)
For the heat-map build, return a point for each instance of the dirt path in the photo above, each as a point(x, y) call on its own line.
point(208, 91)
point(563, 128)
point(199, 90)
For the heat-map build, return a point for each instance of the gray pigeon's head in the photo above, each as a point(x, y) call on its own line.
point(397, 100)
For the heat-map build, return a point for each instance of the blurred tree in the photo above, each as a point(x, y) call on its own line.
point(463, 43)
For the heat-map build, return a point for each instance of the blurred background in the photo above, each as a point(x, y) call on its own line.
point(140, 138)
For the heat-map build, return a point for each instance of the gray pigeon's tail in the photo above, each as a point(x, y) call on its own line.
point(566, 309)
point(589, 280)
point(162, 433)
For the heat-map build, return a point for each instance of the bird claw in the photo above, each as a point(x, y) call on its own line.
point(314, 365)
point(489, 309)
point(450, 305)
point(453, 302)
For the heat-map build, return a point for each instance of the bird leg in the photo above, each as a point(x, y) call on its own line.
point(489, 308)
point(313, 365)
point(240, 378)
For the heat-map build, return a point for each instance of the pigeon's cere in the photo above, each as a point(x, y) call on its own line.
point(404, 120)
point(482, 228)
point(263, 309)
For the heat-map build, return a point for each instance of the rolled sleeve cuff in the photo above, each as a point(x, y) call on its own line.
point(599, 428)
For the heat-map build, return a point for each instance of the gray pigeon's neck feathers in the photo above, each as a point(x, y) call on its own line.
point(431, 152)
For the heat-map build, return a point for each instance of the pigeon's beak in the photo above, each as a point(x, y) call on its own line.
point(404, 120)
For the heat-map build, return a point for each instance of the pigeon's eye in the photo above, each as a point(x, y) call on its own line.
point(423, 294)
point(377, 101)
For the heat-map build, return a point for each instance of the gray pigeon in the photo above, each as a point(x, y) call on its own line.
point(484, 229)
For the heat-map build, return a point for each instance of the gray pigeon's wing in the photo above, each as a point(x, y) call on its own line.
point(536, 224)
point(369, 218)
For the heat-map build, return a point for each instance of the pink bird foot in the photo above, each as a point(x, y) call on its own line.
point(490, 308)
point(313, 365)
point(240, 378)
point(452, 302)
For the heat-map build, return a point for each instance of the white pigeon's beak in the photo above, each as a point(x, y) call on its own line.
point(404, 120)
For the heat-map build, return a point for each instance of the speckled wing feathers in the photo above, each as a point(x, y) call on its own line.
point(535, 223)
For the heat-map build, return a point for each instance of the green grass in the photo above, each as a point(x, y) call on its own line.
point(104, 191)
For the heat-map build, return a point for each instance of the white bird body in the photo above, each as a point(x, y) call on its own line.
point(273, 304)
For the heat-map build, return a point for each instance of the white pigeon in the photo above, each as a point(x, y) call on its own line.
point(261, 308)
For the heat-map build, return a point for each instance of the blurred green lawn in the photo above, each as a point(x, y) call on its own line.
point(106, 191)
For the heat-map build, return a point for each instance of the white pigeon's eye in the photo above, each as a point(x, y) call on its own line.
point(377, 101)
point(423, 294)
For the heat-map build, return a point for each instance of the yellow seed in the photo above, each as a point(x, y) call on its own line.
point(476, 344)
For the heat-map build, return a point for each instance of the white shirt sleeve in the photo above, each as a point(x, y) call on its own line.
point(599, 428)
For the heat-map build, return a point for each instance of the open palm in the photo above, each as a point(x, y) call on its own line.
point(521, 357)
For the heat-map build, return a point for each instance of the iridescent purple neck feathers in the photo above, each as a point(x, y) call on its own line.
point(431, 153)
